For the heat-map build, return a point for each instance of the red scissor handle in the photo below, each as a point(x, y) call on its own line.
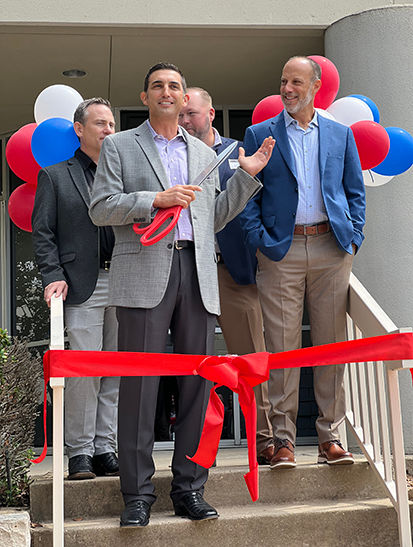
point(161, 216)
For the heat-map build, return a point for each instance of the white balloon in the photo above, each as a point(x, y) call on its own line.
point(349, 110)
point(56, 101)
point(326, 114)
point(374, 179)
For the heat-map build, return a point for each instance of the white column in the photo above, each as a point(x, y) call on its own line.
point(373, 53)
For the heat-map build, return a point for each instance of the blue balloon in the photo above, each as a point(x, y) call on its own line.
point(53, 141)
point(400, 156)
point(371, 104)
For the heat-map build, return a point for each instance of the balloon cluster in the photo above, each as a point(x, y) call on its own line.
point(383, 152)
point(50, 140)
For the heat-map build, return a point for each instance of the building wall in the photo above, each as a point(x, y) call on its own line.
point(267, 13)
point(379, 44)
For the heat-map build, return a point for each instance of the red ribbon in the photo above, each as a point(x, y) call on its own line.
point(239, 373)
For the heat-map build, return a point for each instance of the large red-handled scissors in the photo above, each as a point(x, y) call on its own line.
point(150, 235)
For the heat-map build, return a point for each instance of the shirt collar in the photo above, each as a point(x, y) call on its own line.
point(84, 160)
point(156, 135)
point(217, 137)
point(290, 120)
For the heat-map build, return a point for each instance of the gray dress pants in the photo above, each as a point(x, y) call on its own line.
point(192, 329)
point(91, 403)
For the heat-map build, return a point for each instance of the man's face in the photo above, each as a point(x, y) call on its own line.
point(165, 96)
point(99, 123)
point(197, 116)
point(298, 88)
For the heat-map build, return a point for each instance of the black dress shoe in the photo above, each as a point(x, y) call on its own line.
point(136, 513)
point(193, 506)
point(106, 465)
point(81, 467)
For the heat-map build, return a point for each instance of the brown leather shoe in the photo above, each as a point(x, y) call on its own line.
point(264, 457)
point(283, 455)
point(333, 453)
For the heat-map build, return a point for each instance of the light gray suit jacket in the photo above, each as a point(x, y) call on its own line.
point(129, 175)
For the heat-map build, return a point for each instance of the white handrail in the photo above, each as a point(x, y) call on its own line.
point(368, 386)
point(373, 404)
point(57, 384)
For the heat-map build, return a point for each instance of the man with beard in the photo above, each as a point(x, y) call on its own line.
point(305, 225)
point(241, 318)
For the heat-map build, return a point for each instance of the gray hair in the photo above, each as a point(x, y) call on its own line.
point(80, 114)
point(315, 66)
point(203, 93)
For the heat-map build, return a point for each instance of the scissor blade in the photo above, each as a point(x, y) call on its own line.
point(216, 162)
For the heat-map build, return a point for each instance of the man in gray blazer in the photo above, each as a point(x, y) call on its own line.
point(171, 284)
point(73, 256)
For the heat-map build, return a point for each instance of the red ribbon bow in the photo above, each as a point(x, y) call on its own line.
point(240, 374)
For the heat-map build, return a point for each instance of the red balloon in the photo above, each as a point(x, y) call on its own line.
point(373, 143)
point(20, 206)
point(330, 82)
point(267, 108)
point(19, 154)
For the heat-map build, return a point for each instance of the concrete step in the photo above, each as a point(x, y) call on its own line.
point(100, 498)
point(321, 523)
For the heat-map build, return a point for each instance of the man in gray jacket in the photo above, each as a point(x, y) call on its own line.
point(171, 284)
point(73, 256)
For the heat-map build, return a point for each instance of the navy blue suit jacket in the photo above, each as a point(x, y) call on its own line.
point(269, 218)
point(239, 259)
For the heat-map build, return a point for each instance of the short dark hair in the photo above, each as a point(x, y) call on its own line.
point(163, 66)
point(80, 114)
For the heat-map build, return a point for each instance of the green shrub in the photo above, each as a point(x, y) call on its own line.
point(20, 375)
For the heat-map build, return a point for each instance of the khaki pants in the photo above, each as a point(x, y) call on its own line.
point(242, 327)
point(317, 271)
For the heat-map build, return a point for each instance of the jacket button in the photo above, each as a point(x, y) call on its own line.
point(296, 189)
point(293, 214)
point(169, 245)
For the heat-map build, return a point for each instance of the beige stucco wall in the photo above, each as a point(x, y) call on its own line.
point(379, 44)
point(267, 13)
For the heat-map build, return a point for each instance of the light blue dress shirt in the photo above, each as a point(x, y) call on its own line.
point(304, 145)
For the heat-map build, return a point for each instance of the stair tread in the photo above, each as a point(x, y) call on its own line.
point(254, 510)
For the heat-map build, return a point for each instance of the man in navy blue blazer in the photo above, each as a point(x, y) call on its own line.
point(241, 317)
point(305, 225)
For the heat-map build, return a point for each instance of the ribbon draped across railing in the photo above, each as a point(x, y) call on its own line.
point(239, 373)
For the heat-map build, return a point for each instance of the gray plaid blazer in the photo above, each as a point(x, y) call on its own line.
point(129, 175)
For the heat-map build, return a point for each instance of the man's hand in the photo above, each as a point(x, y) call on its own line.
point(253, 164)
point(56, 288)
point(176, 195)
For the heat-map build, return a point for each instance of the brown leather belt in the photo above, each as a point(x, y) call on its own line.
point(312, 230)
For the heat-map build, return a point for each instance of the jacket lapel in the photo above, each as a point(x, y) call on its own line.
point(193, 160)
point(145, 140)
point(79, 179)
point(279, 132)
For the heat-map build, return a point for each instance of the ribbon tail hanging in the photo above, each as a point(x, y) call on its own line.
point(249, 410)
point(211, 432)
